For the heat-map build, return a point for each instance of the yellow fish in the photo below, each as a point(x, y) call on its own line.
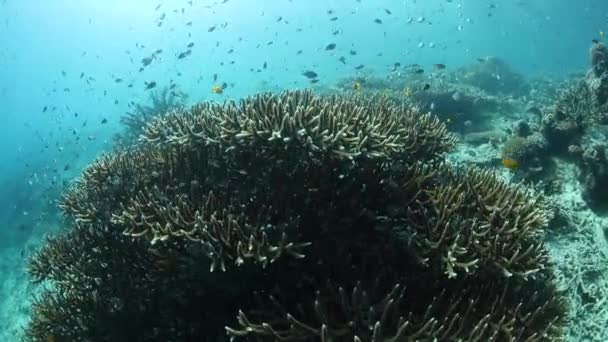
point(407, 92)
point(510, 163)
point(356, 86)
point(602, 33)
point(216, 89)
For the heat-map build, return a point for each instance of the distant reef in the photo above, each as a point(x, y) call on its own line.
point(295, 217)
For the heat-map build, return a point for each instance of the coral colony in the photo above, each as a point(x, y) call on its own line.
point(296, 217)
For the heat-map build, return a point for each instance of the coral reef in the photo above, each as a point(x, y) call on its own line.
point(466, 105)
point(597, 77)
point(575, 110)
point(161, 102)
point(494, 76)
point(599, 59)
point(594, 165)
point(571, 128)
point(527, 149)
point(295, 217)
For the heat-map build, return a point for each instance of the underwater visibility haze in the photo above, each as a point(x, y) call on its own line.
point(290, 170)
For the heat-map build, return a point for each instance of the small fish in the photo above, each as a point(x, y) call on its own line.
point(184, 54)
point(265, 65)
point(333, 18)
point(510, 163)
point(212, 28)
point(357, 86)
point(439, 66)
point(217, 89)
point(407, 92)
point(359, 67)
point(426, 87)
point(602, 33)
point(44, 109)
point(190, 45)
point(146, 61)
point(118, 80)
point(104, 121)
point(595, 41)
point(330, 46)
point(378, 21)
point(313, 81)
point(419, 71)
point(214, 77)
point(387, 11)
point(352, 52)
point(342, 59)
point(150, 85)
point(310, 74)
point(66, 167)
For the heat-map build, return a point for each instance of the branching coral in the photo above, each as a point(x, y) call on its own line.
point(575, 109)
point(471, 222)
point(347, 128)
point(281, 193)
point(161, 102)
point(336, 313)
point(222, 230)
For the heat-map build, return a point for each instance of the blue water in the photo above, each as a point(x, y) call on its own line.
point(45, 47)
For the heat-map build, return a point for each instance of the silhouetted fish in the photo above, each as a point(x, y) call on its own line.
point(310, 74)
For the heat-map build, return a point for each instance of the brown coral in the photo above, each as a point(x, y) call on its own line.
point(282, 192)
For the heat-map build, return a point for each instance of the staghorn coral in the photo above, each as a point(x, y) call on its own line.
point(222, 230)
point(580, 105)
point(574, 110)
point(360, 127)
point(336, 313)
point(472, 222)
point(161, 102)
point(274, 195)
